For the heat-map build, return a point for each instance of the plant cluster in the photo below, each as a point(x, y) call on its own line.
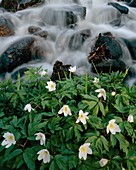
point(78, 123)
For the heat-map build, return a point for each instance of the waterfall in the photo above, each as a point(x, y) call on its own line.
point(61, 44)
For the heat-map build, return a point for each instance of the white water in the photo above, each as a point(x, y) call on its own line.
point(55, 47)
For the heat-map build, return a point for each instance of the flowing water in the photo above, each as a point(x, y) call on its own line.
point(99, 15)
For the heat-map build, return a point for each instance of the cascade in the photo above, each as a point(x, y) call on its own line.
point(68, 36)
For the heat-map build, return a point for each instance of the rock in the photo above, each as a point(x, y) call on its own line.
point(60, 71)
point(121, 8)
point(132, 3)
point(109, 66)
point(33, 29)
point(78, 38)
point(28, 3)
point(110, 44)
point(15, 5)
point(10, 6)
point(62, 16)
point(106, 55)
point(131, 44)
point(18, 53)
point(42, 34)
point(6, 27)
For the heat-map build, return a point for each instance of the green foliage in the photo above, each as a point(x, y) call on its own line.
point(63, 135)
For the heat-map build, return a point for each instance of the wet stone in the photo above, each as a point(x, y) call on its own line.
point(121, 8)
point(6, 27)
point(33, 29)
point(18, 53)
point(60, 71)
point(42, 34)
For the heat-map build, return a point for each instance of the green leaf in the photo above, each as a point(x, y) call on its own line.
point(28, 156)
point(77, 129)
point(53, 166)
point(12, 155)
point(102, 108)
point(105, 143)
point(128, 128)
point(73, 161)
point(18, 162)
point(61, 162)
point(123, 143)
point(95, 122)
point(96, 110)
point(113, 140)
point(90, 104)
point(118, 105)
point(90, 97)
point(91, 139)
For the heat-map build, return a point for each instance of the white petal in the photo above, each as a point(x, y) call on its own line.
point(107, 129)
point(5, 142)
point(117, 128)
point(8, 145)
point(65, 114)
point(60, 111)
point(112, 121)
point(78, 120)
point(84, 156)
point(40, 157)
point(6, 134)
point(104, 96)
point(98, 90)
point(86, 113)
point(113, 131)
point(89, 151)
point(86, 144)
point(83, 121)
point(100, 95)
point(130, 118)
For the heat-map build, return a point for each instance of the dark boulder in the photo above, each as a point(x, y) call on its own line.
point(33, 29)
point(131, 45)
point(78, 38)
point(110, 43)
point(109, 65)
point(62, 16)
point(132, 3)
point(28, 3)
point(6, 27)
point(15, 5)
point(18, 53)
point(121, 8)
point(106, 55)
point(10, 6)
point(60, 71)
point(42, 34)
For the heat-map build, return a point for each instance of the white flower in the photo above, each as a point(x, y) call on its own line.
point(113, 93)
point(42, 73)
point(72, 69)
point(82, 117)
point(113, 127)
point(96, 80)
point(102, 93)
point(66, 110)
point(45, 155)
point(130, 118)
point(40, 136)
point(103, 162)
point(9, 140)
point(51, 86)
point(28, 107)
point(84, 150)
